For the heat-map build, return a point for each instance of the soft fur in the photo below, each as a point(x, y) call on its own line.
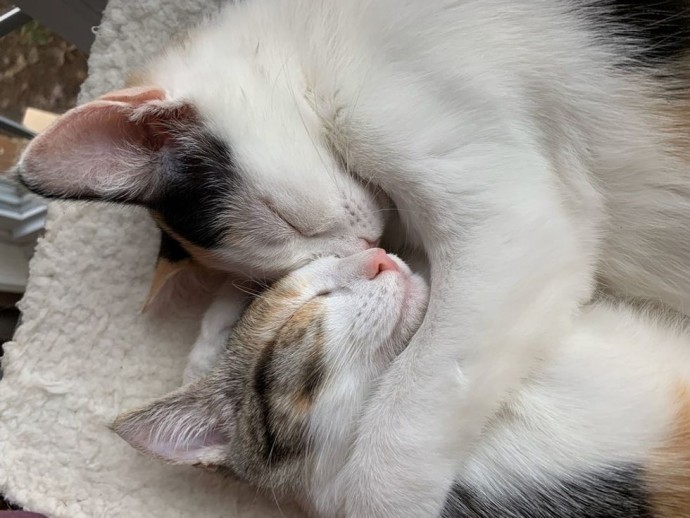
point(600, 428)
point(529, 148)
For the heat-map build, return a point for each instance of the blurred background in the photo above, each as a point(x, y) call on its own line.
point(44, 47)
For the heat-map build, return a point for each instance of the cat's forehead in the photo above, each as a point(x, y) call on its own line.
point(254, 108)
point(281, 312)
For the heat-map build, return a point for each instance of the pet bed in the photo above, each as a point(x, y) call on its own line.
point(84, 353)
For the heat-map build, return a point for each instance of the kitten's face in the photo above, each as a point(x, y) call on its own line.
point(302, 358)
point(214, 174)
point(246, 215)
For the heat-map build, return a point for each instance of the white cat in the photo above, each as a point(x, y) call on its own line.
point(528, 146)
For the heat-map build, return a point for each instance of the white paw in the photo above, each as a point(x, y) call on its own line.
point(200, 362)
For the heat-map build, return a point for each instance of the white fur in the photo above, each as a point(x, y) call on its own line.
point(216, 327)
point(606, 395)
point(516, 156)
point(367, 324)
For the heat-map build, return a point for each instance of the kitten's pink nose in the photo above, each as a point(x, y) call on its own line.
point(379, 262)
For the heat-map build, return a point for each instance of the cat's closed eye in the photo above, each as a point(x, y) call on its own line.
point(233, 208)
point(283, 220)
point(295, 353)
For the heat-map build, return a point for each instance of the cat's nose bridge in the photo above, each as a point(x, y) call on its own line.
point(364, 264)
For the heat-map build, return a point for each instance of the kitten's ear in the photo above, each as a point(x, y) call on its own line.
point(185, 427)
point(106, 149)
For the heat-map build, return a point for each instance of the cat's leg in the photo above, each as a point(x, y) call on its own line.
point(509, 267)
point(216, 326)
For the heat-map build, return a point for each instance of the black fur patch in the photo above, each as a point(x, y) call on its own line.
point(287, 379)
point(197, 175)
point(650, 32)
point(312, 378)
point(274, 448)
point(171, 250)
point(615, 493)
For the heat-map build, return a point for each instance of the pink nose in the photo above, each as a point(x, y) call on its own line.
point(379, 262)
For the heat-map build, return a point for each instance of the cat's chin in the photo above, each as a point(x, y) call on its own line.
point(412, 308)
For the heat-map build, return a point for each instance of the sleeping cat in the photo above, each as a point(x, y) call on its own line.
point(600, 429)
point(529, 147)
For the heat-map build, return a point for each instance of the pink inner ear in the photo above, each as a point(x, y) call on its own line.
point(173, 431)
point(103, 149)
point(93, 150)
point(190, 450)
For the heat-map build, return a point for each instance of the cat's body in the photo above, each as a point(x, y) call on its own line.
point(600, 429)
point(529, 147)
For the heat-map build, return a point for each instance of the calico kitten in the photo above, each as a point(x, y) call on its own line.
point(601, 429)
point(530, 147)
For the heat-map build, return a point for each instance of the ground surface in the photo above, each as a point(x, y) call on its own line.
point(38, 69)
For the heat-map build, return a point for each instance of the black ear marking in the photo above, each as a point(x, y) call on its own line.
point(197, 173)
point(651, 32)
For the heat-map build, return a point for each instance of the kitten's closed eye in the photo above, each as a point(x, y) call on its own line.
point(284, 220)
point(173, 156)
point(293, 356)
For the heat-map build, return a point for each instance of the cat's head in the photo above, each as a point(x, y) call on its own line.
point(280, 409)
point(217, 175)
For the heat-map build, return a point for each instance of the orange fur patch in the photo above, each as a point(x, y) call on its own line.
point(164, 272)
point(305, 317)
point(306, 397)
point(305, 329)
point(670, 470)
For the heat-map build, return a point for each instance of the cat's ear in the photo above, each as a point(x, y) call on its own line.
point(186, 427)
point(104, 149)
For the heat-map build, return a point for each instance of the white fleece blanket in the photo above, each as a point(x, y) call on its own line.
point(84, 353)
